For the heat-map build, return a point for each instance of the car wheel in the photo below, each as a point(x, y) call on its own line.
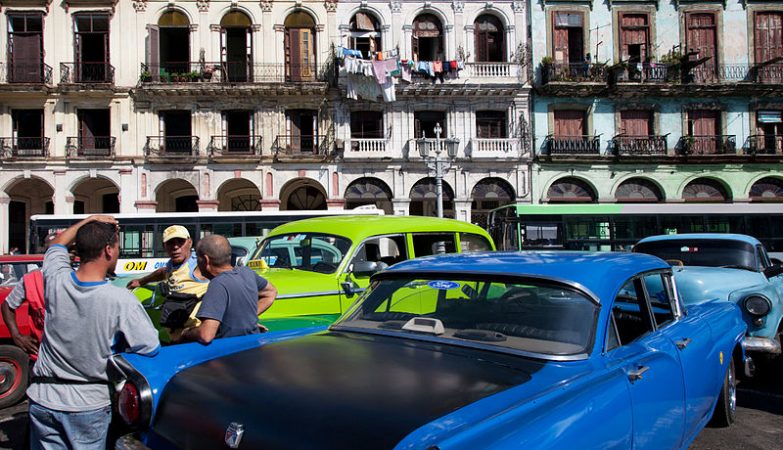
point(14, 373)
point(726, 408)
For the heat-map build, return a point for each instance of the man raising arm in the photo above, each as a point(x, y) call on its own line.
point(235, 298)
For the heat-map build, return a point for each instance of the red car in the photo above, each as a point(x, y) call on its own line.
point(14, 371)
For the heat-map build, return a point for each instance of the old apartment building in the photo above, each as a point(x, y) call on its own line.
point(144, 105)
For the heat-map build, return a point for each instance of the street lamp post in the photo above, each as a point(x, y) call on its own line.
point(437, 163)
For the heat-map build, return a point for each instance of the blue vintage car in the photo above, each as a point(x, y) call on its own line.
point(734, 267)
point(463, 351)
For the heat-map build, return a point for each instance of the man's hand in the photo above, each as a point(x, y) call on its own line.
point(27, 343)
point(133, 284)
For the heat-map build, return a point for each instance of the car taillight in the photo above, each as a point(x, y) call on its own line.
point(129, 403)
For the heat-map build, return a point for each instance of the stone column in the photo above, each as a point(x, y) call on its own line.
point(462, 210)
point(62, 198)
point(4, 223)
point(470, 43)
point(401, 206)
point(405, 47)
point(128, 190)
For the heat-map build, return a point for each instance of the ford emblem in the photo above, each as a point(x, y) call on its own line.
point(234, 434)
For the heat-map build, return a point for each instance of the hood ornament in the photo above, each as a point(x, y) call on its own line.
point(234, 434)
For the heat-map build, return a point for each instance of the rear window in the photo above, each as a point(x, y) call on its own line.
point(702, 252)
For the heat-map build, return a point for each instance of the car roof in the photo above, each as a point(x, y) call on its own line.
point(360, 227)
point(727, 236)
point(7, 259)
point(601, 273)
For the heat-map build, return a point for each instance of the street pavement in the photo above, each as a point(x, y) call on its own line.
point(759, 424)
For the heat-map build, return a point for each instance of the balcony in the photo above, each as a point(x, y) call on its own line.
point(574, 73)
point(708, 145)
point(477, 72)
point(301, 146)
point(94, 147)
point(24, 147)
point(230, 73)
point(172, 147)
point(572, 145)
point(493, 148)
point(25, 73)
point(86, 73)
point(228, 147)
point(765, 144)
point(430, 146)
point(640, 73)
point(368, 148)
point(623, 145)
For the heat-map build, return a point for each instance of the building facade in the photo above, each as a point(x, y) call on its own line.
point(647, 101)
point(206, 105)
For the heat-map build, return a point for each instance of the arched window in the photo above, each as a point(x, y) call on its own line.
point(488, 194)
point(171, 37)
point(300, 61)
point(767, 190)
point(365, 33)
point(427, 39)
point(705, 190)
point(306, 198)
point(424, 199)
point(570, 190)
point(369, 191)
point(638, 190)
point(173, 18)
point(490, 44)
point(236, 46)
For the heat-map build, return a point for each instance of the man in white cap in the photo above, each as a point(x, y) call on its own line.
point(181, 272)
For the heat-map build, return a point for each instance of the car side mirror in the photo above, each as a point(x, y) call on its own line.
point(773, 271)
point(366, 268)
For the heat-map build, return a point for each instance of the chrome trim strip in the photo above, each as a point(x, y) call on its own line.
point(761, 344)
point(307, 294)
point(461, 343)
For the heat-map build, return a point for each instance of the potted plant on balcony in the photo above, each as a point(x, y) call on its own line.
point(194, 76)
point(146, 76)
point(206, 72)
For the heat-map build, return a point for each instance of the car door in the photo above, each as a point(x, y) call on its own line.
point(695, 347)
point(648, 360)
point(384, 251)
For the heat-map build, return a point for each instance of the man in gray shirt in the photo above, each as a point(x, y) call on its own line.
point(87, 320)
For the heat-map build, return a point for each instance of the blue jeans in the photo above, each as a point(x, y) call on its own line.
point(50, 429)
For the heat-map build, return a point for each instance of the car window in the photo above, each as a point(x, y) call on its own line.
point(386, 250)
point(434, 243)
point(473, 243)
point(764, 261)
point(702, 252)
point(12, 273)
point(660, 300)
point(533, 315)
point(630, 314)
point(314, 252)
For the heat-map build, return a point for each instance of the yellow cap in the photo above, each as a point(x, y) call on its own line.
point(175, 231)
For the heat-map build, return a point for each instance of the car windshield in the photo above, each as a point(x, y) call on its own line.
point(12, 273)
point(315, 252)
point(702, 252)
point(531, 315)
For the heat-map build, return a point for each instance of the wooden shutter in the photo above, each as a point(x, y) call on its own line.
point(636, 123)
point(86, 132)
point(768, 36)
point(569, 123)
point(634, 30)
point(153, 51)
point(705, 122)
point(28, 57)
point(295, 58)
point(561, 45)
point(701, 37)
point(417, 128)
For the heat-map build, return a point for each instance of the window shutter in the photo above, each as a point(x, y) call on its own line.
point(153, 51)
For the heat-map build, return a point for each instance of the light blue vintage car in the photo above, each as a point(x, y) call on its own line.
point(735, 267)
point(462, 351)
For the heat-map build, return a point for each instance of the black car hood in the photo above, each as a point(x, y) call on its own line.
point(329, 390)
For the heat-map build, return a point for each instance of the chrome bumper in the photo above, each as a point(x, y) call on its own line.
point(129, 442)
point(761, 344)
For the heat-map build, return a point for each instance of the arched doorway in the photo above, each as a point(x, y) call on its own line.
point(767, 189)
point(705, 190)
point(27, 197)
point(239, 195)
point(236, 46)
point(570, 190)
point(366, 33)
point(638, 190)
point(369, 191)
point(300, 60)
point(427, 38)
point(424, 199)
point(169, 45)
point(490, 43)
point(176, 195)
point(96, 195)
point(488, 194)
point(302, 194)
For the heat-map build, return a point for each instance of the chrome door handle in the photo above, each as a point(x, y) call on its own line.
point(681, 344)
point(636, 375)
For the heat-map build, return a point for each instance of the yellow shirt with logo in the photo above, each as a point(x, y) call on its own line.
point(182, 279)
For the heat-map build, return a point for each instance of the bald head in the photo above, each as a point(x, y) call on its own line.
point(217, 248)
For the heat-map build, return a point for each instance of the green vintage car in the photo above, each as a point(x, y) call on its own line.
point(321, 265)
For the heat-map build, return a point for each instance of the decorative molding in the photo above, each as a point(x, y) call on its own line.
point(214, 27)
point(256, 27)
point(320, 27)
point(448, 27)
point(279, 28)
point(193, 27)
point(396, 7)
point(458, 6)
point(407, 27)
point(518, 7)
point(202, 5)
point(470, 28)
point(266, 5)
point(140, 5)
point(386, 28)
point(330, 5)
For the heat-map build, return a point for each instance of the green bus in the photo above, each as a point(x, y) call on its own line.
point(618, 226)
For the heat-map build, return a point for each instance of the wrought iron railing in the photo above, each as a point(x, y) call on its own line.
point(91, 146)
point(86, 72)
point(573, 145)
point(24, 147)
point(171, 146)
point(581, 72)
point(709, 145)
point(624, 145)
point(300, 145)
point(230, 72)
point(765, 144)
point(235, 146)
point(38, 73)
point(641, 73)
